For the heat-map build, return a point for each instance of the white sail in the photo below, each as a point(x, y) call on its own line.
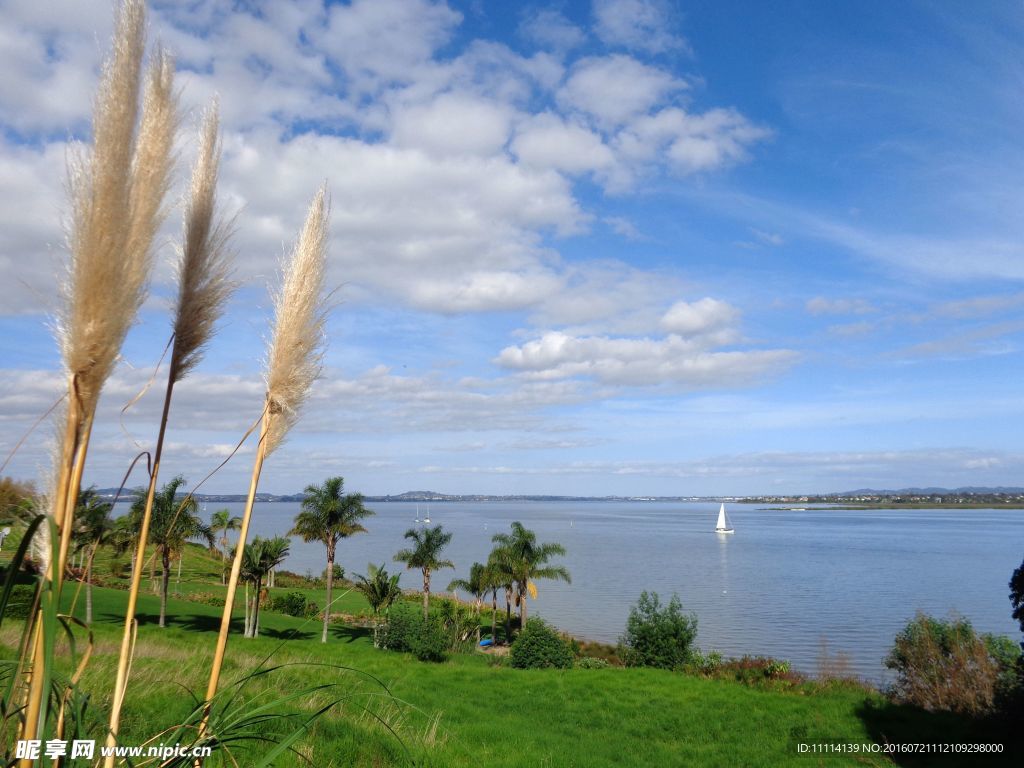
point(723, 525)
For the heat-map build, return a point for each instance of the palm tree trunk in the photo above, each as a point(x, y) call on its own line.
point(330, 585)
point(177, 587)
point(508, 614)
point(494, 616)
point(245, 626)
point(256, 608)
point(88, 590)
point(477, 605)
point(224, 557)
point(426, 593)
point(165, 581)
point(522, 608)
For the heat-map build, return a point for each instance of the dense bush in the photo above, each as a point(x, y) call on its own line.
point(704, 664)
point(946, 665)
point(590, 662)
point(290, 603)
point(656, 635)
point(406, 631)
point(431, 642)
point(539, 646)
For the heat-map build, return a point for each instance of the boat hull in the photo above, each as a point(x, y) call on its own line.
point(725, 530)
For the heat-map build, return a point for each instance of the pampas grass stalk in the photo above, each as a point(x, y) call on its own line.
point(117, 193)
point(293, 363)
point(203, 289)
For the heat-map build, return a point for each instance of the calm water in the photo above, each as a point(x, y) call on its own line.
point(784, 582)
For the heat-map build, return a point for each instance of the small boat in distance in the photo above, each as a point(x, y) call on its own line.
point(723, 525)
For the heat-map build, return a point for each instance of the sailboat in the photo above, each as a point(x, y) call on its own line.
point(723, 525)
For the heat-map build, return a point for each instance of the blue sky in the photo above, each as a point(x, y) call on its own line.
point(620, 247)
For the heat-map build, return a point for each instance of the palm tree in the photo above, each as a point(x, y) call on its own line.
point(94, 528)
point(528, 562)
point(329, 516)
point(501, 575)
point(223, 521)
point(173, 523)
point(258, 558)
point(380, 590)
point(477, 586)
point(425, 556)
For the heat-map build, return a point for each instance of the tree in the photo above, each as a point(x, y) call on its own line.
point(1017, 596)
point(528, 562)
point(477, 586)
point(258, 558)
point(223, 521)
point(425, 555)
point(173, 523)
point(328, 515)
point(380, 590)
point(500, 576)
point(658, 636)
point(94, 528)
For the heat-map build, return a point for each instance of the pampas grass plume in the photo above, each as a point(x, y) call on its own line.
point(116, 196)
point(296, 349)
point(203, 270)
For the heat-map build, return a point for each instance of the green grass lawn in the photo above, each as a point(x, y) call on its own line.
point(469, 711)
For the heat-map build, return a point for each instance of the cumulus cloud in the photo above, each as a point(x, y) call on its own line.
point(445, 171)
point(613, 89)
point(643, 25)
point(640, 362)
point(549, 28)
point(699, 317)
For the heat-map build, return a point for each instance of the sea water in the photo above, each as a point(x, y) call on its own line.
point(786, 582)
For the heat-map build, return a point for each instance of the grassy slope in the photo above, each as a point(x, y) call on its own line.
point(467, 712)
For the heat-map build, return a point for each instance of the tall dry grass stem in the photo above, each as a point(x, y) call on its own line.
point(293, 363)
point(203, 289)
point(117, 192)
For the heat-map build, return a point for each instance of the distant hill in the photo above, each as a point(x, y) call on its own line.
point(966, 491)
point(434, 496)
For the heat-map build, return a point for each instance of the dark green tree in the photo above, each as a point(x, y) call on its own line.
point(477, 586)
point(173, 524)
point(94, 528)
point(329, 515)
point(380, 590)
point(425, 555)
point(528, 562)
point(657, 635)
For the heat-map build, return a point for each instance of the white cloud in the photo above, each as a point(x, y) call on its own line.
point(549, 28)
point(699, 317)
point(453, 124)
point(641, 362)
point(547, 141)
point(643, 25)
point(613, 89)
point(692, 143)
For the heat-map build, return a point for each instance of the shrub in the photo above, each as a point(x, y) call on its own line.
point(656, 635)
point(290, 603)
point(403, 624)
point(407, 632)
point(311, 611)
point(946, 665)
point(704, 664)
point(339, 574)
point(589, 662)
point(759, 671)
point(539, 646)
point(431, 642)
